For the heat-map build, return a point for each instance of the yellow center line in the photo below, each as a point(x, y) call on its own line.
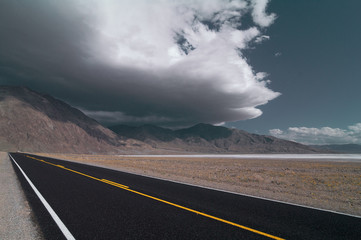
point(118, 185)
point(163, 201)
point(114, 183)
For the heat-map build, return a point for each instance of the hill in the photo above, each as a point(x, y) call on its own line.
point(35, 122)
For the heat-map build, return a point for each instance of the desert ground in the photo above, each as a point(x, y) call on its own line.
point(327, 184)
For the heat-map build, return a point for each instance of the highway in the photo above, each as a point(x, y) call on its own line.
point(79, 201)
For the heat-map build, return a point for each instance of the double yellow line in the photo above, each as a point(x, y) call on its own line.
point(160, 200)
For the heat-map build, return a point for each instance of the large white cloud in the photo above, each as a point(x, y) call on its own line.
point(177, 61)
point(324, 135)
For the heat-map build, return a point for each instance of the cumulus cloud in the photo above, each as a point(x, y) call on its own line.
point(276, 132)
point(324, 135)
point(355, 128)
point(262, 38)
point(163, 62)
point(259, 13)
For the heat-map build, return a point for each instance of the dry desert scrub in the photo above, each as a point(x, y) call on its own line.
point(318, 183)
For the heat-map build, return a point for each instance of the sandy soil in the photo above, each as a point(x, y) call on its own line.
point(16, 219)
point(318, 183)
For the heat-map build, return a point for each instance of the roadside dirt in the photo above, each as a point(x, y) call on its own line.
point(323, 184)
point(16, 218)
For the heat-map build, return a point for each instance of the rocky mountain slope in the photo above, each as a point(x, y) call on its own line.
point(207, 138)
point(34, 122)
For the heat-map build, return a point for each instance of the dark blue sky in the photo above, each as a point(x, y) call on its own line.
point(319, 69)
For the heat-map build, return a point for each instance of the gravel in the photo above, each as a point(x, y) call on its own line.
point(16, 218)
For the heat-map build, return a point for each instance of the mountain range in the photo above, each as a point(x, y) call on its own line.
point(341, 148)
point(207, 138)
point(36, 122)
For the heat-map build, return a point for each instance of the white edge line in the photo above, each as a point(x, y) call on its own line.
point(210, 188)
point(60, 224)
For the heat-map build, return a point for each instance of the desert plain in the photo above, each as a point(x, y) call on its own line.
point(321, 183)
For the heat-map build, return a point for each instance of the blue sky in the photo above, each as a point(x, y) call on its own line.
point(317, 71)
point(286, 68)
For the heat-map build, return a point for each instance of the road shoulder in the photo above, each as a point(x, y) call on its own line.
point(16, 218)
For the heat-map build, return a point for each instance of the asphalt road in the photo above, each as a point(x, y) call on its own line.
point(98, 203)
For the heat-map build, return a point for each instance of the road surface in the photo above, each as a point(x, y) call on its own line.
point(78, 201)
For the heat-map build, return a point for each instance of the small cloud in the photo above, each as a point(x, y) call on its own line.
point(259, 14)
point(275, 132)
point(355, 128)
point(324, 135)
point(278, 54)
point(220, 124)
point(261, 39)
point(261, 75)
